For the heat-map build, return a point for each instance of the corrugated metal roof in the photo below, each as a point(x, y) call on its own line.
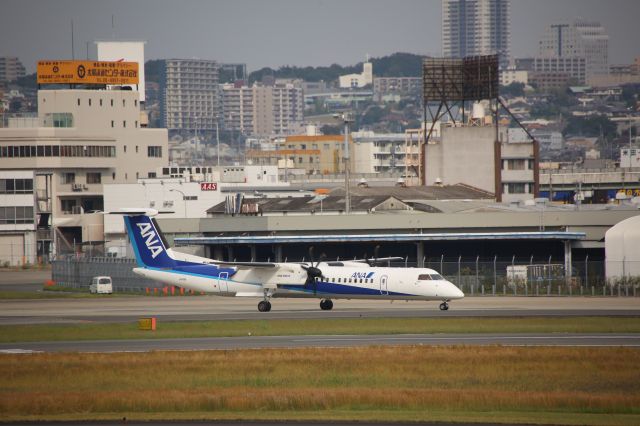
point(282, 239)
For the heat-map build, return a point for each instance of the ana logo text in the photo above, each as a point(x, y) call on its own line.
point(150, 239)
point(362, 275)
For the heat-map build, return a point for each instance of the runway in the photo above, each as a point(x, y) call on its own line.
point(109, 309)
point(333, 341)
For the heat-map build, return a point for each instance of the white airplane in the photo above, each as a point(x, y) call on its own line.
point(324, 280)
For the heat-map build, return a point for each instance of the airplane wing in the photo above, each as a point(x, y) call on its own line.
point(246, 264)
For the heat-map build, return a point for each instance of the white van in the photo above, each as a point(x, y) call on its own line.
point(101, 285)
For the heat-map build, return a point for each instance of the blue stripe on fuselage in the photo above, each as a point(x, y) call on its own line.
point(343, 289)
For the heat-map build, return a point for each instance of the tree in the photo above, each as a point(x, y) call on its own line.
point(592, 126)
point(328, 129)
point(514, 89)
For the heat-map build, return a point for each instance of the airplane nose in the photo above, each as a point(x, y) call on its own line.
point(453, 292)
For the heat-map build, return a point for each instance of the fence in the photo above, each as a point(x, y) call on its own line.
point(77, 273)
point(473, 277)
point(491, 277)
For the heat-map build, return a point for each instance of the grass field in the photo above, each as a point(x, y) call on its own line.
point(501, 384)
point(285, 327)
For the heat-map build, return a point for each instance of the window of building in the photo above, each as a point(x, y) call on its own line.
point(67, 205)
point(136, 126)
point(100, 102)
point(516, 164)
point(94, 177)
point(154, 151)
point(125, 148)
point(89, 101)
point(111, 102)
point(68, 177)
point(113, 175)
point(135, 102)
point(136, 149)
point(123, 102)
point(16, 186)
point(16, 214)
point(151, 175)
point(78, 101)
point(112, 123)
point(124, 123)
point(516, 188)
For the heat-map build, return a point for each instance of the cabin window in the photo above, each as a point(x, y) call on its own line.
point(424, 277)
point(360, 280)
point(339, 280)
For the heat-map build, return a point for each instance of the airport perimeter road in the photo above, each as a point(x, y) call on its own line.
point(23, 280)
point(210, 308)
point(259, 342)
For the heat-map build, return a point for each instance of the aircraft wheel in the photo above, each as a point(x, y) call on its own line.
point(326, 304)
point(268, 306)
point(264, 306)
point(444, 306)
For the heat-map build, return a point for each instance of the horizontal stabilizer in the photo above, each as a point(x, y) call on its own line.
point(380, 259)
point(247, 264)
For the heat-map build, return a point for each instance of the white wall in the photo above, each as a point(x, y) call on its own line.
point(622, 249)
point(127, 51)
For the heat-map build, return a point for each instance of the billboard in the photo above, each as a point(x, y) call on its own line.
point(87, 72)
point(129, 51)
point(473, 78)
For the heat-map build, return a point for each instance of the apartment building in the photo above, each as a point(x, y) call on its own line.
point(278, 109)
point(476, 27)
point(85, 139)
point(574, 67)
point(190, 95)
point(10, 69)
point(577, 39)
point(237, 101)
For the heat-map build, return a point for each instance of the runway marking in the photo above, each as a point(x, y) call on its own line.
point(18, 351)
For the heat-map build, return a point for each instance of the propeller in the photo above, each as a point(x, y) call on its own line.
point(313, 272)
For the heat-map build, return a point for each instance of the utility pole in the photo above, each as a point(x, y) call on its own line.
point(217, 141)
point(346, 118)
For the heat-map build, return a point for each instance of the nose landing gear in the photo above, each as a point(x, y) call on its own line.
point(444, 306)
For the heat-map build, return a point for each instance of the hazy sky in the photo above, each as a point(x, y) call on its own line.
point(281, 32)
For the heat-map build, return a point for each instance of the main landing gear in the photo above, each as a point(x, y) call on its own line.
point(326, 304)
point(444, 306)
point(264, 306)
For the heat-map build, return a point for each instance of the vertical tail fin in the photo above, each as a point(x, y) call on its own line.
point(147, 240)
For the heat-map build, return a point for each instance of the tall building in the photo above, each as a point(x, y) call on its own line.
point(10, 69)
point(578, 39)
point(237, 101)
point(476, 27)
point(190, 95)
point(278, 109)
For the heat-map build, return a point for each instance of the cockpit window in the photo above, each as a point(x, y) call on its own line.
point(436, 277)
point(424, 277)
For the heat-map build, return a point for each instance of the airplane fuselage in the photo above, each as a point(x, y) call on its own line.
point(338, 282)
